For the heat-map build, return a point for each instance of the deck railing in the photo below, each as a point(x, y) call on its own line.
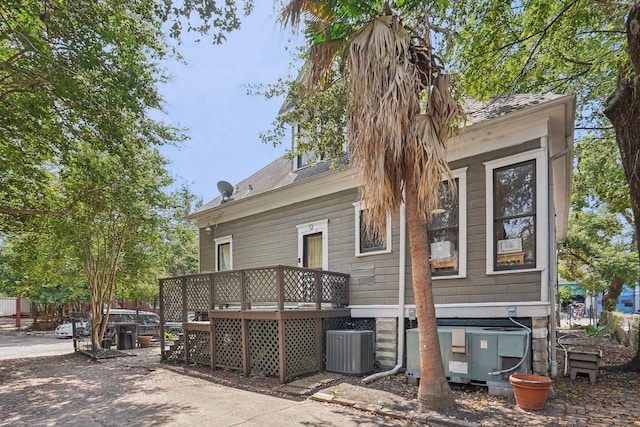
point(270, 320)
point(275, 288)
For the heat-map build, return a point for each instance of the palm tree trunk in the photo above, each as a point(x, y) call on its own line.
point(434, 391)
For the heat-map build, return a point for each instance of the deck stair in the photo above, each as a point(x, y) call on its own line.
point(175, 350)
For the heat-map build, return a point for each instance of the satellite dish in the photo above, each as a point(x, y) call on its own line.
point(225, 189)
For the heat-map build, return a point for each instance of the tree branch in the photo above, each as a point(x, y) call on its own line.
point(46, 212)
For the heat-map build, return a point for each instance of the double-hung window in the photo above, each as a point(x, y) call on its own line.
point(447, 229)
point(516, 207)
point(224, 253)
point(366, 242)
point(305, 158)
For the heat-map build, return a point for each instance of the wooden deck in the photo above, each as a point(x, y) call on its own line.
point(266, 321)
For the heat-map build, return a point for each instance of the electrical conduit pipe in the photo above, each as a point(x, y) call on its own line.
point(401, 295)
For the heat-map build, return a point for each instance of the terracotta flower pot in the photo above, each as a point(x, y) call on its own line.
point(530, 391)
point(144, 341)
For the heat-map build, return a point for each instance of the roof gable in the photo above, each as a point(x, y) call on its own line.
point(279, 173)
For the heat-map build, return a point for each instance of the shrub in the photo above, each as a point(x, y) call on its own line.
point(596, 332)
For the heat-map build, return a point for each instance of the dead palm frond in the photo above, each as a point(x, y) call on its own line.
point(322, 61)
point(385, 101)
point(433, 131)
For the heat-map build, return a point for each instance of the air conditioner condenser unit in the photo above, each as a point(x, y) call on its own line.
point(350, 352)
point(487, 350)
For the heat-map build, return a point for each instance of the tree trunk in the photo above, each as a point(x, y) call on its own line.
point(434, 391)
point(610, 299)
point(18, 313)
point(622, 108)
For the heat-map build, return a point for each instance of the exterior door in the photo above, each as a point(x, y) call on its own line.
point(312, 251)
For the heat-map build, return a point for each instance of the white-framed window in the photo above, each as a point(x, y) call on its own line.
point(516, 212)
point(313, 248)
point(365, 243)
point(447, 229)
point(224, 253)
point(305, 159)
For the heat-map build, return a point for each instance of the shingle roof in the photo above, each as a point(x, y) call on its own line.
point(276, 174)
point(279, 173)
point(498, 106)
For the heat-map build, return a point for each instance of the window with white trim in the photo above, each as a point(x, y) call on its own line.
point(313, 250)
point(365, 243)
point(224, 253)
point(447, 229)
point(305, 159)
point(516, 206)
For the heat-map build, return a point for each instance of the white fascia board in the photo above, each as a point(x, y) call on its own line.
point(515, 128)
point(495, 136)
point(327, 183)
point(468, 311)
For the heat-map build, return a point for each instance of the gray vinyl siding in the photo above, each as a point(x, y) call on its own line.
point(271, 238)
point(478, 287)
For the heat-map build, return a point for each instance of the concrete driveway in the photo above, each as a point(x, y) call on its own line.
point(75, 390)
point(63, 388)
point(19, 344)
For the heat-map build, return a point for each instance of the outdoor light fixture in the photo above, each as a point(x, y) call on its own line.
point(208, 229)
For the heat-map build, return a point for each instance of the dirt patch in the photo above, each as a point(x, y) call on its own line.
point(614, 399)
point(52, 388)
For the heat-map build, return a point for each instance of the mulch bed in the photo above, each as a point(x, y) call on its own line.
point(104, 353)
point(576, 403)
point(613, 400)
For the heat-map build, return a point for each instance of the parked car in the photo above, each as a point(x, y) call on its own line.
point(66, 330)
point(148, 323)
point(176, 327)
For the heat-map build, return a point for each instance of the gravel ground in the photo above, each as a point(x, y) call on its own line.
point(80, 382)
point(613, 400)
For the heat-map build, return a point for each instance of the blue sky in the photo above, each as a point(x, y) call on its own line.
point(208, 96)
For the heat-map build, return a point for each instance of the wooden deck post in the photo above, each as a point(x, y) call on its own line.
point(319, 340)
point(280, 287)
point(185, 331)
point(163, 356)
point(183, 284)
point(282, 356)
point(244, 328)
point(212, 293)
point(318, 281)
point(212, 343)
point(244, 304)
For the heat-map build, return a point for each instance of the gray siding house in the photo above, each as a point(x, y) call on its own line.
point(493, 243)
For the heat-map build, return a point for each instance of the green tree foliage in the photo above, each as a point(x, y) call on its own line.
point(36, 267)
point(568, 46)
point(80, 68)
point(180, 255)
point(599, 180)
point(115, 241)
point(600, 250)
point(599, 254)
point(566, 294)
point(590, 48)
point(320, 118)
point(78, 81)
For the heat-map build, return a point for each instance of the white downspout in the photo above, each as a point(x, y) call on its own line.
point(553, 266)
point(402, 259)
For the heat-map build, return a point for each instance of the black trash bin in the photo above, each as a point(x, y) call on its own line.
point(126, 335)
